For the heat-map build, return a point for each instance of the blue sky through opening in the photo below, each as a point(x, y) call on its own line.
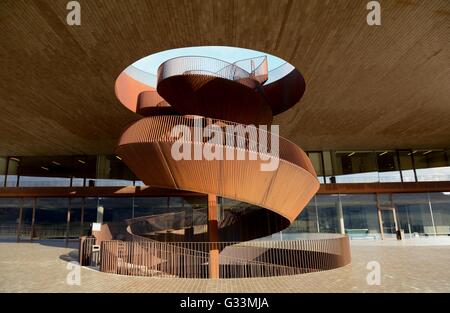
point(151, 63)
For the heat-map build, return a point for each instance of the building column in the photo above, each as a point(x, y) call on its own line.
point(380, 218)
point(33, 217)
point(100, 211)
point(340, 216)
point(19, 225)
point(213, 234)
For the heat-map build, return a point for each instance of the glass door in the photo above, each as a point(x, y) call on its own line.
point(26, 217)
point(389, 223)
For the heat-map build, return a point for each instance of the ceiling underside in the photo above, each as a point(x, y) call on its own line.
point(367, 87)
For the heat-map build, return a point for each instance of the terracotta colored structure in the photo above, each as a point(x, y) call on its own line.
point(198, 93)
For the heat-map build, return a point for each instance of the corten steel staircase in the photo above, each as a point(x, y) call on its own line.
point(195, 93)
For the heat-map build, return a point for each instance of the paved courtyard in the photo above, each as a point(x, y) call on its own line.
point(408, 266)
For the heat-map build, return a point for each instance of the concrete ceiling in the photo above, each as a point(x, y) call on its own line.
point(368, 87)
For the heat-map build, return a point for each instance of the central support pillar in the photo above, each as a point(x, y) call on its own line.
point(213, 234)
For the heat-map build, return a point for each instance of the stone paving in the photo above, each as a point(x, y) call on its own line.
point(410, 267)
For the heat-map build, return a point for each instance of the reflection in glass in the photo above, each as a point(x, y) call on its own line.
point(84, 169)
point(13, 166)
point(388, 170)
point(388, 221)
point(27, 218)
point(51, 218)
point(116, 209)
point(75, 226)
point(355, 167)
point(413, 214)
point(9, 216)
point(327, 206)
point(45, 171)
point(316, 160)
point(3, 162)
point(361, 216)
point(440, 202)
point(144, 206)
point(306, 222)
point(432, 165)
point(406, 165)
point(89, 213)
point(111, 171)
point(77, 182)
point(328, 167)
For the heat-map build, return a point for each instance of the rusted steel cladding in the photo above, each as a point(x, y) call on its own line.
point(151, 104)
point(285, 190)
point(215, 97)
point(284, 93)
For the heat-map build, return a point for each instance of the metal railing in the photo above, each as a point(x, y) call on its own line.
point(241, 71)
point(242, 137)
point(143, 257)
point(279, 72)
point(87, 254)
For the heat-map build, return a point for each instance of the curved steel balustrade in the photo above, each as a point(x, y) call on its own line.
point(215, 88)
point(254, 68)
point(197, 93)
point(143, 257)
point(146, 148)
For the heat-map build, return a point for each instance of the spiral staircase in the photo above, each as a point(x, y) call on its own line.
point(273, 176)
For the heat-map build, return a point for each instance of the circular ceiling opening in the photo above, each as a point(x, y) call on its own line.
point(142, 74)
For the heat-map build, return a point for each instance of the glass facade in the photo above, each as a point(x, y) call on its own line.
point(9, 216)
point(64, 171)
point(361, 215)
point(415, 215)
point(383, 166)
point(358, 215)
point(380, 166)
point(53, 218)
point(368, 215)
point(327, 213)
point(440, 205)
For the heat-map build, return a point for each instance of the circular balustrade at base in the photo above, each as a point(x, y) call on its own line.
point(143, 257)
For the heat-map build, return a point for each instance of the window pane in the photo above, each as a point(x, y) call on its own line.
point(75, 225)
point(327, 209)
point(413, 213)
point(144, 206)
point(84, 169)
point(328, 166)
point(316, 160)
point(27, 216)
point(116, 209)
point(111, 171)
point(361, 216)
point(44, 171)
point(440, 202)
point(3, 162)
point(90, 213)
point(388, 170)
point(51, 218)
point(406, 165)
point(355, 167)
point(11, 179)
point(9, 216)
point(431, 165)
point(77, 182)
point(306, 222)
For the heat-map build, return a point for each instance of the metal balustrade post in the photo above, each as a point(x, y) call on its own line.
point(213, 234)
